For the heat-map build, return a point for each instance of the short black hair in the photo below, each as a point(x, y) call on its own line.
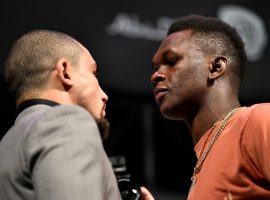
point(218, 38)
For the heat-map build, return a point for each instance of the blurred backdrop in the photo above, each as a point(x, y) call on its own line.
point(123, 36)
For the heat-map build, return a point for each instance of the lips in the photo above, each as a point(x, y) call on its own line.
point(159, 93)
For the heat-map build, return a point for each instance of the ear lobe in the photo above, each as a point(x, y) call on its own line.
point(217, 68)
point(64, 68)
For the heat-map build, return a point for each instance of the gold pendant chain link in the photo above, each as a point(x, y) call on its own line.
point(202, 158)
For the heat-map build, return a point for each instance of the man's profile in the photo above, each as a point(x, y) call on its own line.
point(54, 149)
point(197, 72)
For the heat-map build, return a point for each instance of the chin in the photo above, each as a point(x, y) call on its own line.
point(170, 112)
point(171, 117)
point(167, 112)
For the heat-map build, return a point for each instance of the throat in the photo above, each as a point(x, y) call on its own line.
point(198, 130)
point(204, 121)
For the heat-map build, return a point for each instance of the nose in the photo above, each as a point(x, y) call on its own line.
point(104, 96)
point(157, 77)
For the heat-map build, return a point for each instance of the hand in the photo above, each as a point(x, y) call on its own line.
point(146, 195)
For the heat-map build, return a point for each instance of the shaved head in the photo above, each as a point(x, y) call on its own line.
point(34, 55)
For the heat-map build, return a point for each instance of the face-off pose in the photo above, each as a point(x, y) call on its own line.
point(197, 71)
point(54, 149)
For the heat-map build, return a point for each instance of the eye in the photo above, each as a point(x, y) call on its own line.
point(171, 62)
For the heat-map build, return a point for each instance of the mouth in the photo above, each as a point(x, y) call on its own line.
point(159, 93)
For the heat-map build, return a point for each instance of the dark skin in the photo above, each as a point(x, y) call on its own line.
point(190, 85)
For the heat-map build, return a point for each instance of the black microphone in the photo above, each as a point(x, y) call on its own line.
point(128, 188)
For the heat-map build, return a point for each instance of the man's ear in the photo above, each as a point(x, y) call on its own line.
point(217, 68)
point(64, 73)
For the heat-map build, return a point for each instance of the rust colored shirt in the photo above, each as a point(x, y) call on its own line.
point(238, 164)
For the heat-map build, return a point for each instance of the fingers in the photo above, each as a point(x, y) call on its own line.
point(146, 195)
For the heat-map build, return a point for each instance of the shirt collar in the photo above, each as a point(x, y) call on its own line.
point(32, 102)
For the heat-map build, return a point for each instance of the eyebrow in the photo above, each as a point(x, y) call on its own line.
point(96, 70)
point(169, 51)
point(164, 55)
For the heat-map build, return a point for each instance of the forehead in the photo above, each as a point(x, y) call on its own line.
point(176, 39)
point(174, 42)
point(87, 60)
point(86, 54)
point(180, 35)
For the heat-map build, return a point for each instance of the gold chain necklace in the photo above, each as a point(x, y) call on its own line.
point(202, 158)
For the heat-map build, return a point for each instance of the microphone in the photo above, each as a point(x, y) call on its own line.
point(129, 190)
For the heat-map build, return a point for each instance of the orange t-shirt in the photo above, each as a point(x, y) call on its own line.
point(238, 164)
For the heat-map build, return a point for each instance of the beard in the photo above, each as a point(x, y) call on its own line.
point(104, 128)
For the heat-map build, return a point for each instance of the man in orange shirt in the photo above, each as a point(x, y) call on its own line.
point(197, 71)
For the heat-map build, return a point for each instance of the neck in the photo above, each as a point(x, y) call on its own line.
point(50, 94)
point(209, 113)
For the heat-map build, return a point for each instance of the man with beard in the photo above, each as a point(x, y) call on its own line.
point(54, 149)
point(197, 72)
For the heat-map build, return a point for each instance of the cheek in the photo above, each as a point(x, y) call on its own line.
point(91, 93)
point(179, 81)
point(184, 87)
point(88, 85)
point(90, 99)
point(86, 91)
point(94, 94)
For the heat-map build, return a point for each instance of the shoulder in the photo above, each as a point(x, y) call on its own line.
point(258, 115)
point(43, 113)
point(256, 139)
point(260, 110)
point(67, 118)
point(256, 132)
point(67, 111)
point(70, 116)
point(63, 124)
